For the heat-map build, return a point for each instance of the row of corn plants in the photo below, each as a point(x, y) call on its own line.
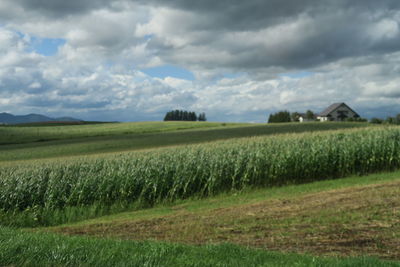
point(52, 194)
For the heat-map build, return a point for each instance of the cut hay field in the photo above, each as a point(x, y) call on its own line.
point(352, 216)
point(314, 188)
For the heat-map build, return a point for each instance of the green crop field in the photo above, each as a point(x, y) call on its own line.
point(26, 143)
point(23, 134)
point(65, 175)
point(53, 193)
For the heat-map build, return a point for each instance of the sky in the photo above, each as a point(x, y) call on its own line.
point(237, 61)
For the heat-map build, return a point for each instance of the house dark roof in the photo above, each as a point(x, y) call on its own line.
point(332, 108)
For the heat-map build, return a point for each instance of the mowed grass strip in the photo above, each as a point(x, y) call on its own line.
point(361, 219)
point(62, 141)
point(19, 248)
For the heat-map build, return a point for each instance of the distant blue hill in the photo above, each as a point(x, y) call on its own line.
point(7, 118)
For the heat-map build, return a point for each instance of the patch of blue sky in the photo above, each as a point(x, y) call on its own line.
point(20, 34)
point(297, 75)
point(169, 71)
point(46, 46)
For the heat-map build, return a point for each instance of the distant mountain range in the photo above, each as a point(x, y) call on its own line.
point(7, 118)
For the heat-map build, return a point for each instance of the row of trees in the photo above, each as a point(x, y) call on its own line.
point(309, 115)
point(389, 120)
point(183, 115)
point(286, 116)
point(281, 116)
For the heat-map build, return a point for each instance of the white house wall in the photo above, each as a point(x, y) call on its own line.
point(322, 118)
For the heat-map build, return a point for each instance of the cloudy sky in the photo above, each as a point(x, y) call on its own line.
point(133, 60)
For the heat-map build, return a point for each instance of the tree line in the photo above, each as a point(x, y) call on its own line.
point(286, 116)
point(389, 120)
point(183, 115)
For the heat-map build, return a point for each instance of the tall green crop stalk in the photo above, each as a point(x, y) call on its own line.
point(36, 193)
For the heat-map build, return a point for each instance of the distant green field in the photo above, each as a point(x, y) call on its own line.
point(55, 123)
point(19, 134)
point(82, 140)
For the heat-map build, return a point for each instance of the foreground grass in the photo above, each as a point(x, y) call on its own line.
point(22, 143)
point(28, 249)
point(354, 216)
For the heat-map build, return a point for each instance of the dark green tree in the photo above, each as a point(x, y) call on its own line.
point(310, 115)
point(202, 117)
point(185, 116)
point(180, 115)
point(295, 116)
point(281, 116)
point(176, 116)
point(397, 119)
point(376, 120)
point(390, 120)
point(169, 116)
point(192, 116)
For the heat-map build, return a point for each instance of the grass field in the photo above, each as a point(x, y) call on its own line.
point(25, 249)
point(194, 187)
point(24, 134)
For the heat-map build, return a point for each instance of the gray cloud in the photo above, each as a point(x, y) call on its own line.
point(257, 14)
point(61, 8)
point(247, 35)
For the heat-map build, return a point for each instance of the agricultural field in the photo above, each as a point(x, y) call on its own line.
point(182, 192)
point(17, 134)
point(27, 143)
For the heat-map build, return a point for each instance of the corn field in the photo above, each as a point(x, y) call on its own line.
point(198, 170)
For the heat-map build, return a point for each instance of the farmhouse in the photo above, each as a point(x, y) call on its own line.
point(337, 112)
point(304, 118)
